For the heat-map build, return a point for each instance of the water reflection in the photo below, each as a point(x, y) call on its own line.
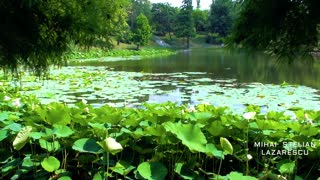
point(222, 65)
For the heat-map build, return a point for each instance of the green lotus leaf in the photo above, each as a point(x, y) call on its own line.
point(87, 145)
point(184, 171)
point(49, 146)
point(123, 168)
point(239, 176)
point(190, 135)
point(3, 135)
point(50, 163)
point(286, 167)
point(62, 131)
point(152, 170)
point(22, 138)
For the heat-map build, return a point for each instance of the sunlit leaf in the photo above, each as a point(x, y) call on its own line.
point(152, 170)
point(49, 146)
point(189, 134)
point(87, 145)
point(3, 135)
point(286, 167)
point(50, 163)
point(62, 131)
point(240, 176)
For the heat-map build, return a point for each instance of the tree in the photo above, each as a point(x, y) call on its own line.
point(198, 4)
point(35, 34)
point(185, 22)
point(286, 28)
point(200, 19)
point(163, 18)
point(220, 20)
point(142, 32)
point(139, 7)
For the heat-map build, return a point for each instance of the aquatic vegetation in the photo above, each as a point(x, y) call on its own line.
point(102, 85)
point(106, 55)
point(157, 141)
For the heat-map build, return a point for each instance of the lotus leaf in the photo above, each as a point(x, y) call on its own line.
point(86, 145)
point(190, 135)
point(152, 170)
point(50, 163)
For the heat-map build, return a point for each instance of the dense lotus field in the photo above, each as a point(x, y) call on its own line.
point(100, 85)
point(155, 141)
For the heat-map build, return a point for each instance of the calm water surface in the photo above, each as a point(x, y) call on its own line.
point(189, 77)
point(219, 64)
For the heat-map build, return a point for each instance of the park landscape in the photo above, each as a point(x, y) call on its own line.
point(136, 89)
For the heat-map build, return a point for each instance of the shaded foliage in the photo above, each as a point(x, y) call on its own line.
point(185, 22)
point(35, 34)
point(220, 20)
point(163, 18)
point(286, 29)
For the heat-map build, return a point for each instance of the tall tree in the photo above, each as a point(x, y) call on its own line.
point(198, 4)
point(142, 32)
point(35, 34)
point(185, 22)
point(138, 7)
point(286, 28)
point(163, 18)
point(200, 19)
point(220, 20)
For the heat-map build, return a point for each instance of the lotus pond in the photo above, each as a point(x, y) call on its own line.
point(89, 120)
point(189, 77)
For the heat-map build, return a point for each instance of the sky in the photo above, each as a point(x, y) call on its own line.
point(204, 4)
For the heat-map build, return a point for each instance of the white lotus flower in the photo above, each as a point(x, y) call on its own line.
point(249, 115)
point(112, 145)
point(16, 102)
point(6, 98)
point(249, 157)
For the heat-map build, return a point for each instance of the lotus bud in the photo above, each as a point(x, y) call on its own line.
point(112, 146)
point(249, 157)
point(249, 115)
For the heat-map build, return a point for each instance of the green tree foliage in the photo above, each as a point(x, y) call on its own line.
point(220, 20)
point(142, 32)
point(122, 30)
point(185, 22)
point(35, 34)
point(139, 7)
point(163, 18)
point(200, 19)
point(198, 4)
point(286, 28)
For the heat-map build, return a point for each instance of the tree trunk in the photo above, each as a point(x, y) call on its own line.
point(188, 42)
point(138, 47)
point(170, 36)
point(118, 42)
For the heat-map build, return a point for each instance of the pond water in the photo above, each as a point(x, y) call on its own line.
point(189, 77)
